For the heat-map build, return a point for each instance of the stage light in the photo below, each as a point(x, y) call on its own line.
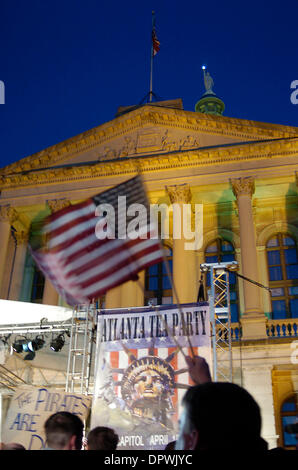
point(30, 356)
point(57, 343)
point(204, 268)
point(29, 346)
point(17, 346)
point(203, 67)
point(37, 344)
point(233, 266)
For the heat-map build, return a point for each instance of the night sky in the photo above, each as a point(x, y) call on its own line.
point(68, 65)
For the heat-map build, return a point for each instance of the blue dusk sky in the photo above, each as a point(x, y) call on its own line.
point(68, 65)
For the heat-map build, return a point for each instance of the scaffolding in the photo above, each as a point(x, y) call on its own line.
point(82, 337)
point(220, 318)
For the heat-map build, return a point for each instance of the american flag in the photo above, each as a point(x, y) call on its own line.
point(155, 43)
point(83, 267)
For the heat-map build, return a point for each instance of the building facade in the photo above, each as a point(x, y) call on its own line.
point(242, 172)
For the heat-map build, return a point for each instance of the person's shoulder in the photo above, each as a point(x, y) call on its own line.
point(277, 450)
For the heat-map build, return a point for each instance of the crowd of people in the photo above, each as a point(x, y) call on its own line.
point(207, 407)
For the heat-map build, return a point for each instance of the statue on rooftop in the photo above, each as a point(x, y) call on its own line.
point(208, 82)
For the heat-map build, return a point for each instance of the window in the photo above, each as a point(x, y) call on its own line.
point(289, 416)
point(283, 275)
point(221, 251)
point(157, 283)
point(38, 282)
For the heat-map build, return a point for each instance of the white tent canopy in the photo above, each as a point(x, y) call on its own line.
point(21, 313)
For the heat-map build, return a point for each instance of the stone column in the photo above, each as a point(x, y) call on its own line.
point(7, 216)
point(262, 257)
point(132, 292)
point(185, 275)
point(257, 380)
point(253, 322)
point(240, 283)
point(50, 295)
point(113, 298)
point(19, 264)
point(140, 298)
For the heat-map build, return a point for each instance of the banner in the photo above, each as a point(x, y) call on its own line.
point(29, 409)
point(140, 373)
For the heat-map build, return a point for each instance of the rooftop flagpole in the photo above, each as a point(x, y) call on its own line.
point(154, 50)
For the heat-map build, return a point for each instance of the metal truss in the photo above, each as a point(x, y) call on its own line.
point(82, 338)
point(10, 380)
point(81, 331)
point(220, 317)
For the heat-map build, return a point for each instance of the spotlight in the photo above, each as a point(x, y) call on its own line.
point(57, 343)
point(233, 266)
point(204, 268)
point(30, 356)
point(29, 346)
point(17, 346)
point(37, 344)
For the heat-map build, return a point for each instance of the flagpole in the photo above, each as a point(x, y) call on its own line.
point(151, 62)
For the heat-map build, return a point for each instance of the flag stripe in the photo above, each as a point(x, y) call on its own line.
point(80, 225)
point(122, 274)
point(79, 237)
point(102, 253)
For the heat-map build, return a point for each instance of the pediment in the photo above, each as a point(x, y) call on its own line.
point(150, 130)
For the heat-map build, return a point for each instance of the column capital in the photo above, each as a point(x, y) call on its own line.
point(56, 205)
point(243, 186)
point(179, 193)
point(22, 236)
point(8, 214)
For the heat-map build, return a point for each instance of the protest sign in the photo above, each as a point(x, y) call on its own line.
point(31, 406)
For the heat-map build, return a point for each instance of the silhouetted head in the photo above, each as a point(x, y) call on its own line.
point(219, 415)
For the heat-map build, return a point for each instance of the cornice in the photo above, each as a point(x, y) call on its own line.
point(56, 205)
point(147, 164)
point(122, 125)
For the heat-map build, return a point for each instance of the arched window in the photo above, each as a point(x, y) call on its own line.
point(283, 275)
point(157, 283)
point(289, 416)
point(38, 283)
point(220, 251)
